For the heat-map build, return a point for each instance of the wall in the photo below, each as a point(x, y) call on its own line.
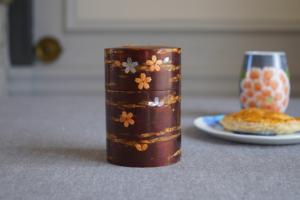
point(211, 59)
point(3, 88)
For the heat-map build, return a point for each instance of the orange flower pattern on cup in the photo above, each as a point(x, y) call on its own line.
point(267, 88)
point(143, 81)
point(126, 119)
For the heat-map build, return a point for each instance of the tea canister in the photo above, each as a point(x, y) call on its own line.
point(143, 105)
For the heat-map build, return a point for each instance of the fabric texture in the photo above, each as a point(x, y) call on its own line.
point(54, 148)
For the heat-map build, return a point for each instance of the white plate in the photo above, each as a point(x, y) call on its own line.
point(211, 125)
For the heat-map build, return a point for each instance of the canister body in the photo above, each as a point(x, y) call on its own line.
point(143, 105)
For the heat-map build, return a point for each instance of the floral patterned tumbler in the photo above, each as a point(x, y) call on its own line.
point(265, 81)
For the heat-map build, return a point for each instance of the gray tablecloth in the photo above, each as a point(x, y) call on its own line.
point(54, 148)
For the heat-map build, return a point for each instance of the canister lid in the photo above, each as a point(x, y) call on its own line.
point(139, 68)
point(140, 47)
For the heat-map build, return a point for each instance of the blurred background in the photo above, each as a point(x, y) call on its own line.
point(56, 47)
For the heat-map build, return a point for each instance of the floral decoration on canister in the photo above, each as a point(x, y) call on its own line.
point(126, 119)
point(143, 81)
point(129, 65)
point(154, 64)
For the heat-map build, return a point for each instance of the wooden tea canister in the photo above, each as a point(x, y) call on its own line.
point(143, 105)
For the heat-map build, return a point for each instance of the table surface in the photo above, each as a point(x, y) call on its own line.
point(54, 148)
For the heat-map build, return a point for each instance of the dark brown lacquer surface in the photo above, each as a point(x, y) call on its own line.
point(161, 67)
point(143, 105)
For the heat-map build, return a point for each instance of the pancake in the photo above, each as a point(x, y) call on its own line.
point(261, 121)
